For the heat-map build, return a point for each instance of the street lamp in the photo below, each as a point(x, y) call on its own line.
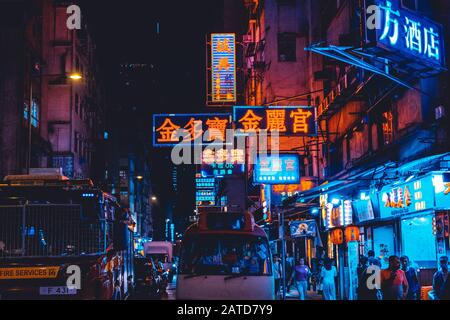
point(75, 76)
point(154, 199)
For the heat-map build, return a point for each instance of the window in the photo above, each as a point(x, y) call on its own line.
point(287, 47)
point(388, 128)
point(77, 102)
point(35, 113)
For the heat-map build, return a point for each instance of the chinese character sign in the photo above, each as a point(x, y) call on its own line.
point(223, 162)
point(281, 169)
point(413, 35)
point(169, 129)
point(223, 68)
point(284, 120)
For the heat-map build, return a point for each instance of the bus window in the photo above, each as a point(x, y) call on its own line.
point(222, 255)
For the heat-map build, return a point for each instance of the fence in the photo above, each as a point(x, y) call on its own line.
point(48, 230)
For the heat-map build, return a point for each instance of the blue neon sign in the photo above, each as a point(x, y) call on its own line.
point(277, 169)
point(415, 36)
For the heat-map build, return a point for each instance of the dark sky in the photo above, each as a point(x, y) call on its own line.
point(125, 31)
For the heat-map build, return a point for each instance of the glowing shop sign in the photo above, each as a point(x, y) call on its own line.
point(281, 169)
point(167, 128)
point(223, 67)
point(411, 34)
point(284, 120)
point(339, 214)
point(307, 228)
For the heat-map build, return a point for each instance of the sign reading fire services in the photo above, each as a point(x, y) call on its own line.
point(29, 273)
point(284, 120)
point(223, 67)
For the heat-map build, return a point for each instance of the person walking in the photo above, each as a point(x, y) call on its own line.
point(393, 281)
point(300, 275)
point(290, 263)
point(412, 278)
point(278, 274)
point(373, 260)
point(328, 276)
point(441, 281)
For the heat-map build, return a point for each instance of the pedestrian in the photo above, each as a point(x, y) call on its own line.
point(441, 281)
point(328, 276)
point(412, 278)
point(278, 273)
point(300, 275)
point(393, 281)
point(290, 263)
point(373, 260)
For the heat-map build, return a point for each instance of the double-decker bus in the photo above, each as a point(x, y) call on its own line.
point(62, 239)
point(225, 256)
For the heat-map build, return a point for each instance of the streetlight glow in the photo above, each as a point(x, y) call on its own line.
point(75, 76)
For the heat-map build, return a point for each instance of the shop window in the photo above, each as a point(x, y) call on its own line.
point(419, 230)
point(287, 47)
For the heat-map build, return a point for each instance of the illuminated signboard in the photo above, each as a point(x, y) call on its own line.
point(401, 30)
point(167, 128)
point(441, 182)
point(204, 183)
point(305, 228)
point(205, 197)
point(223, 68)
point(338, 214)
point(284, 120)
point(280, 169)
point(222, 162)
point(413, 196)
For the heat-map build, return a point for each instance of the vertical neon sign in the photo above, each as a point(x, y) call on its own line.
point(223, 67)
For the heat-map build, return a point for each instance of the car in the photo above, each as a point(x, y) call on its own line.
point(148, 280)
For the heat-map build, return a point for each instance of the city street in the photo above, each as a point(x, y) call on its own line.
point(219, 150)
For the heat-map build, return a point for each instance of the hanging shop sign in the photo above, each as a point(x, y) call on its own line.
point(205, 183)
point(307, 228)
point(171, 129)
point(222, 88)
point(300, 121)
point(205, 197)
point(416, 195)
point(363, 210)
point(338, 214)
point(266, 202)
point(277, 169)
point(351, 233)
point(337, 236)
point(405, 34)
point(223, 162)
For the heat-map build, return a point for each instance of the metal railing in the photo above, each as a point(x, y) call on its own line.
point(48, 231)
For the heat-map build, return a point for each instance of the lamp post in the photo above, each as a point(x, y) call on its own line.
point(75, 76)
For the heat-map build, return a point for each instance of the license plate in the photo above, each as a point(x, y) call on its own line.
point(57, 291)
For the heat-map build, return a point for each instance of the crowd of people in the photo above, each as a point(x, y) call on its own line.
point(400, 281)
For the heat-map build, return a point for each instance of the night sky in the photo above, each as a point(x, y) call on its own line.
point(125, 32)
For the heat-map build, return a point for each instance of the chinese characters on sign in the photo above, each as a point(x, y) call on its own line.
point(169, 129)
point(223, 162)
point(284, 120)
point(223, 68)
point(409, 33)
point(282, 169)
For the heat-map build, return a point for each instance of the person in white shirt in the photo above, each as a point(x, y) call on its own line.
point(328, 275)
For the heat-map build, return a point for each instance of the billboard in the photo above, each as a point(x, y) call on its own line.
point(307, 228)
point(406, 34)
point(223, 68)
point(167, 128)
point(277, 169)
point(300, 121)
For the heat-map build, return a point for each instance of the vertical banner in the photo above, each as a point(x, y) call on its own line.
point(223, 69)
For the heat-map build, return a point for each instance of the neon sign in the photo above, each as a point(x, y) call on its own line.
point(413, 35)
point(223, 67)
point(167, 128)
point(284, 120)
point(281, 169)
